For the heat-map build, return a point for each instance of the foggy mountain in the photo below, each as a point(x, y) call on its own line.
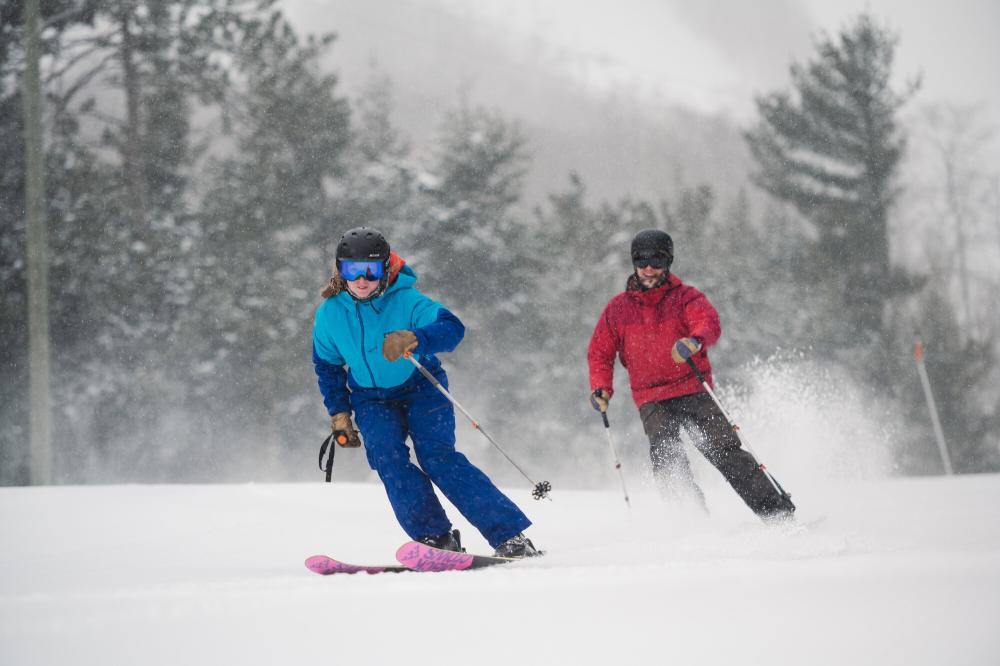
point(580, 112)
point(625, 93)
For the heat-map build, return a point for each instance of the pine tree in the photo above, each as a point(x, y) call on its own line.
point(470, 233)
point(577, 259)
point(123, 233)
point(268, 213)
point(831, 148)
point(467, 249)
point(470, 188)
point(380, 188)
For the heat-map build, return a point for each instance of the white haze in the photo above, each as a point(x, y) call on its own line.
point(806, 420)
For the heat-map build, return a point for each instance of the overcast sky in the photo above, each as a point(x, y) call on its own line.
point(717, 53)
point(713, 55)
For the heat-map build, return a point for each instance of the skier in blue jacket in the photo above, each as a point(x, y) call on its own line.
point(371, 317)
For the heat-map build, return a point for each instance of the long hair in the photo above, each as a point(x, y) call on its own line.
point(335, 285)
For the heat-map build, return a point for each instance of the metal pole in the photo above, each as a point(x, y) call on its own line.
point(614, 455)
point(736, 430)
point(541, 488)
point(918, 354)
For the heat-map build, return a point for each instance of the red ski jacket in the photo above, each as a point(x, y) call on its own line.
point(640, 327)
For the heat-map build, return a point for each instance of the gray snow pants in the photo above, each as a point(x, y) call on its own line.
point(662, 422)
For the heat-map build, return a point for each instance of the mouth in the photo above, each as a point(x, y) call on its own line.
point(363, 287)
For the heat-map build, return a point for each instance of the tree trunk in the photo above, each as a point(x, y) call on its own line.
point(961, 243)
point(135, 172)
point(37, 257)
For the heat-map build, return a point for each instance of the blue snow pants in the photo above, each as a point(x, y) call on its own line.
point(416, 408)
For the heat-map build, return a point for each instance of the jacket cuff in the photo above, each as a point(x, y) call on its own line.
point(422, 342)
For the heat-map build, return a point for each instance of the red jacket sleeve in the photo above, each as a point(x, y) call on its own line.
point(601, 353)
point(702, 319)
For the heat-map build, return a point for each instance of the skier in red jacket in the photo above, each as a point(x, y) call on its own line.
point(654, 326)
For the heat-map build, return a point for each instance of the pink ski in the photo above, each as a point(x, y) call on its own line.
point(421, 557)
point(325, 566)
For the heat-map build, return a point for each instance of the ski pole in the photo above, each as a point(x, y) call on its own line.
point(541, 489)
point(614, 455)
point(736, 431)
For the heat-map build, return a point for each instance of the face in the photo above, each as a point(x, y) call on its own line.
point(651, 272)
point(649, 277)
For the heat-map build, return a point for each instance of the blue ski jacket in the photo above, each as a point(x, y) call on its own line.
point(347, 339)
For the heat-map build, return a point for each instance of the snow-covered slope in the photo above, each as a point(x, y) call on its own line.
point(900, 571)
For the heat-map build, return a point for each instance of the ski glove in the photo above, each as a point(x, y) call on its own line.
point(398, 343)
point(684, 349)
point(600, 399)
point(343, 430)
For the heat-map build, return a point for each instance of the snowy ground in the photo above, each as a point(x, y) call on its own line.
point(898, 571)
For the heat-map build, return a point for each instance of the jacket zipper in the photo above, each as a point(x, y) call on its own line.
point(364, 353)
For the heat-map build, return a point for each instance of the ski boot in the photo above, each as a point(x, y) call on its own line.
point(783, 515)
point(517, 546)
point(447, 541)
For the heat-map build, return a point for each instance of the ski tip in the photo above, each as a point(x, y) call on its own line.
point(325, 566)
point(314, 562)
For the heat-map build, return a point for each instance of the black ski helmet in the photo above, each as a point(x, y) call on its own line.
point(650, 243)
point(365, 244)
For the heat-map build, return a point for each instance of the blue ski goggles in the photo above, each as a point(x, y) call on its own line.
point(370, 270)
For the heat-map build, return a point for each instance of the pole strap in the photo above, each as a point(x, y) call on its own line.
point(328, 443)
